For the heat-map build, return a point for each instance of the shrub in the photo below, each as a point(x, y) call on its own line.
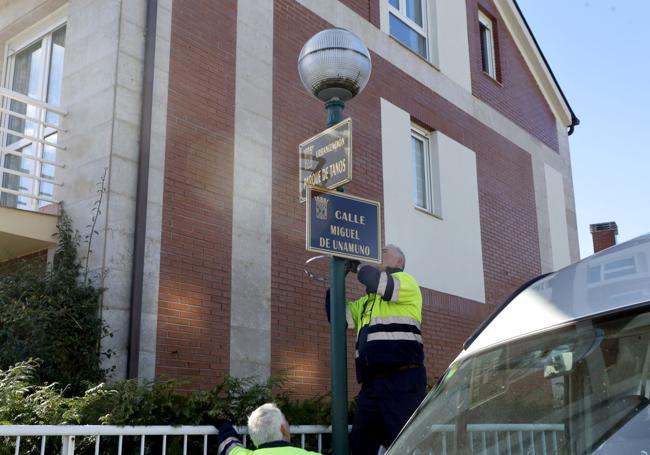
point(53, 315)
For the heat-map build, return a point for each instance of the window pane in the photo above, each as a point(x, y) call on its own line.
point(485, 48)
point(419, 173)
point(26, 80)
point(395, 3)
point(56, 73)
point(593, 274)
point(408, 36)
point(414, 11)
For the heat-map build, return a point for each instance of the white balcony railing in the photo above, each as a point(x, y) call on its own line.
point(29, 151)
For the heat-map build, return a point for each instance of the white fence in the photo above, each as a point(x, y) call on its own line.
point(484, 439)
point(69, 437)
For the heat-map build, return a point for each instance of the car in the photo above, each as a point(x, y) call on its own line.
point(562, 367)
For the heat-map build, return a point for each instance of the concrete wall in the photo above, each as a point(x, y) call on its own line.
point(102, 91)
point(443, 253)
point(557, 215)
point(151, 285)
point(250, 314)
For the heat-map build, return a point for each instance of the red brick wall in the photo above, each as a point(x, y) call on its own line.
point(368, 9)
point(37, 258)
point(300, 332)
point(194, 316)
point(603, 239)
point(516, 94)
point(194, 304)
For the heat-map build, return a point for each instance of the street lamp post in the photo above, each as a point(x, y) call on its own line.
point(334, 66)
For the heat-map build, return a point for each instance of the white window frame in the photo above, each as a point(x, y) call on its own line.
point(431, 173)
point(488, 24)
point(421, 30)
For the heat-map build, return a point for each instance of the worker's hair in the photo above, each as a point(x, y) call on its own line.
point(399, 251)
point(264, 424)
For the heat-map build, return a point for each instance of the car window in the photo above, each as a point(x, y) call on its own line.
point(563, 391)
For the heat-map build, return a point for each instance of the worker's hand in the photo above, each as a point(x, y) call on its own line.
point(224, 426)
point(351, 265)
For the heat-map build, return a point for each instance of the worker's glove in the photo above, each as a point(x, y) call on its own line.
point(351, 265)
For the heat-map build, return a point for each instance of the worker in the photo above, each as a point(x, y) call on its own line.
point(269, 431)
point(389, 355)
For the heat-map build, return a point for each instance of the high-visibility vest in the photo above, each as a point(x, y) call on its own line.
point(388, 332)
point(284, 450)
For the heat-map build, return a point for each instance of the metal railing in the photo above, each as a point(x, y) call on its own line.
point(29, 150)
point(501, 439)
point(92, 438)
point(484, 439)
point(541, 439)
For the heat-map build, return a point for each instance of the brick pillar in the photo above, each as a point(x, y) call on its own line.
point(603, 235)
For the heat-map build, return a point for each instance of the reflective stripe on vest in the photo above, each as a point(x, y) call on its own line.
point(395, 320)
point(394, 336)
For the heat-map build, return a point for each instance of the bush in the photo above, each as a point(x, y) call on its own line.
point(25, 400)
point(53, 315)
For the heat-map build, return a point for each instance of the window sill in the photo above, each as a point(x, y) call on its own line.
point(427, 61)
point(428, 212)
point(493, 79)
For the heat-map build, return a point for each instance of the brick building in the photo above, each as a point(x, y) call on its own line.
point(461, 134)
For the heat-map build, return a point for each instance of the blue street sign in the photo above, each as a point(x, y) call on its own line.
point(343, 225)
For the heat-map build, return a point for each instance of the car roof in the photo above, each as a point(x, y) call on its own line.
point(611, 280)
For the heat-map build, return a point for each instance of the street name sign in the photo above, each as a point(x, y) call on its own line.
point(325, 160)
point(343, 225)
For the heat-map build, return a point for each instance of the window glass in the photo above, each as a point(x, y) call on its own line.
point(414, 11)
point(486, 37)
point(420, 176)
point(408, 36)
point(56, 73)
point(485, 48)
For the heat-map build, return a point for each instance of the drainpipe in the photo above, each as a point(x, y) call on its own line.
point(137, 275)
point(575, 121)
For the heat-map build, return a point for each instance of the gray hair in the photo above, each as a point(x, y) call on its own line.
point(264, 424)
point(399, 251)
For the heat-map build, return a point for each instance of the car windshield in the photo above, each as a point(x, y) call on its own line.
point(561, 392)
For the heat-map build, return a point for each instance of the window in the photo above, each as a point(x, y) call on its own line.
point(488, 55)
point(612, 270)
point(408, 24)
point(423, 172)
point(34, 67)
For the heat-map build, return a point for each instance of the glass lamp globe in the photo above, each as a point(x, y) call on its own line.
point(334, 63)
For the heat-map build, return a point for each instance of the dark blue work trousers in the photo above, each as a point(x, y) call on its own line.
point(383, 407)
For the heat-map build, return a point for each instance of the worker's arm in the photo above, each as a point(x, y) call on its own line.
point(229, 442)
point(378, 282)
point(349, 308)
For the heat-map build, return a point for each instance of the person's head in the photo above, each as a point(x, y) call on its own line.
point(393, 257)
point(267, 424)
